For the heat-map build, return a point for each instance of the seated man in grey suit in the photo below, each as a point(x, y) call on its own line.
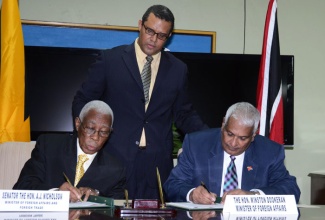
point(53, 163)
point(255, 163)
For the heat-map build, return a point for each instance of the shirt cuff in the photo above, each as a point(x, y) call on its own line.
point(258, 190)
point(188, 195)
point(54, 189)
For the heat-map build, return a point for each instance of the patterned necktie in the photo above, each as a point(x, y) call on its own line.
point(146, 77)
point(82, 158)
point(231, 181)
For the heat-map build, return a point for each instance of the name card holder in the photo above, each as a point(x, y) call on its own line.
point(262, 205)
point(34, 200)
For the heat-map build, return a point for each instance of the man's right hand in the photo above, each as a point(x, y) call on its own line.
point(75, 193)
point(201, 196)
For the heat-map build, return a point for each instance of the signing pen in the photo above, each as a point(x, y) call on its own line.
point(205, 187)
point(218, 199)
point(66, 177)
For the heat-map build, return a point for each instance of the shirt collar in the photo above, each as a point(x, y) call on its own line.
point(239, 157)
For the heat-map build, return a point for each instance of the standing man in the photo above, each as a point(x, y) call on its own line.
point(233, 160)
point(145, 106)
point(56, 155)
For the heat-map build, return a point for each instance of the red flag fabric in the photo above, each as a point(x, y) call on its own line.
point(269, 87)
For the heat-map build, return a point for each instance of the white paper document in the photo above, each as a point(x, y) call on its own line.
point(193, 206)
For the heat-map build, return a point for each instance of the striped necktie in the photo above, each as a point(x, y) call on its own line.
point(146, 77)
point(231, 181)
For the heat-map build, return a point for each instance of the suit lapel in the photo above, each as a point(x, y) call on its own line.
point(95, 167)
point(131, 63)
point(70, 159)
point(163, 71)
point(215, 165)
point(162, 77)
point(250, 168)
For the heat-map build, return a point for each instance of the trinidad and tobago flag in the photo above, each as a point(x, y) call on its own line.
point(269, 87)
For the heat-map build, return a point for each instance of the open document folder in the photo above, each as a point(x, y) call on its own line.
point(193, 206)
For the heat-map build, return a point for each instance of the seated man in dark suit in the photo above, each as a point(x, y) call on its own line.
point(256, 164)
point(56, 155)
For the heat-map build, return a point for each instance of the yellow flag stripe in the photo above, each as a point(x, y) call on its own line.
point(13, 127)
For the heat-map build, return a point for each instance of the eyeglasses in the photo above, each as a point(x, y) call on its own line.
point(90, 131)
point(160, 36)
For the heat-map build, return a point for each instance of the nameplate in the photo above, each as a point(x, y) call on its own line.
point(260, 204)
point(260, 216)
point(34, 200)
point(34, 215)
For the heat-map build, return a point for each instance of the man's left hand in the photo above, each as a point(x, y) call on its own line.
point(87, 191)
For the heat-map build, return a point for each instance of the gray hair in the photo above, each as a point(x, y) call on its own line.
point(246, 113)
point(97, 105)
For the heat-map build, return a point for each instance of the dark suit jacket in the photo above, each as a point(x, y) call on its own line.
point(115, 79)
point(202, 160)
point(57, 153)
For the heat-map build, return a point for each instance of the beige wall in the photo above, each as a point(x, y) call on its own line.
point(301, 28)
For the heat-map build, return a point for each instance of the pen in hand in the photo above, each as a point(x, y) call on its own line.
point(205, 187)
point(218, 199)
point(67, 179)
